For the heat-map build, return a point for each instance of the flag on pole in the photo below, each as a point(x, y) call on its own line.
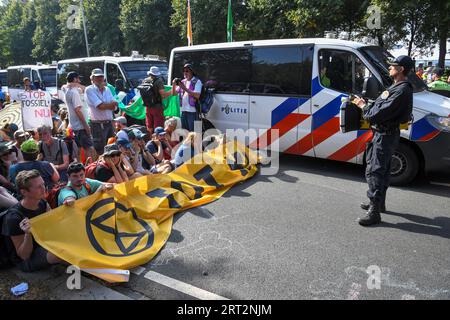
point(189, 26)
point(230, 23)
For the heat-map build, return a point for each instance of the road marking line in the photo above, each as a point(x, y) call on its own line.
point(440, 184)
point(182, 287)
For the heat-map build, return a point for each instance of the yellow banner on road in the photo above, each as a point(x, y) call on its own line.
point(129, 225)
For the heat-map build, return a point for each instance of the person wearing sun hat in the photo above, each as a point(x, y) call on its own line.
point(30, 152)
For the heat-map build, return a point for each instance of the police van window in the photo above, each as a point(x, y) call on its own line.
point(84, 69)
point(35, 76)
point(14, 80)
point(229, 71)
point(3, 78)
point(342, 71)
point(279, 71)
point(113, 73)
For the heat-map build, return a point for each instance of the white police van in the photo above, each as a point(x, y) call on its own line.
point(296, 86)
point(45, 74)
point(132, 70)
point(4, 80)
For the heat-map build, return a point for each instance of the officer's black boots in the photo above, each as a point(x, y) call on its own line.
point(366, 206)
point(372, 217)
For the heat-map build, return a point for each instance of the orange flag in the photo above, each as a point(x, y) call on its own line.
point(189, 26)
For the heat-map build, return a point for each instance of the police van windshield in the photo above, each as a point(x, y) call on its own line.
point(48, 76)
point(380, 57)
point(136, 71)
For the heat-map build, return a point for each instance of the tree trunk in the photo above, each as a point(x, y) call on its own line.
point(442, 46)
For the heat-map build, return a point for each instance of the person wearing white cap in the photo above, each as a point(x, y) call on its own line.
point(154, 108)
point(101, 107)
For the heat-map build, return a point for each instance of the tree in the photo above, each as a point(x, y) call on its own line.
point(71, 43)
point(103, 26)
point(17, 28)
point(145, 25)
point(47, 33)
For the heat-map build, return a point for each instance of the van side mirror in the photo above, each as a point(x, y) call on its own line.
point(371, 88)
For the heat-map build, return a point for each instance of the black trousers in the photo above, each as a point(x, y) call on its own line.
point(378, 170)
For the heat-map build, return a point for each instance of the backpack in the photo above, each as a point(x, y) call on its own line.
point(90, 168)
point(206, 99)
point(148, 94)
point(52, 197)
point(5, 260)
point(41, 149)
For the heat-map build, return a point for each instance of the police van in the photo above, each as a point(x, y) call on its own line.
point(44, 74)
point(296, 86)
point(4, 80)
point(132, 70)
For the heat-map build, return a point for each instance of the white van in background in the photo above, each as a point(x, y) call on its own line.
point(132, 70)
point(296, 86)
point(44, 74)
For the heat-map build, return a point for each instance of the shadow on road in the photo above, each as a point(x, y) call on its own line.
point(439, 226)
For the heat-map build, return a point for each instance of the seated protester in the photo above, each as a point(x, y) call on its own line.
point(172, 136)
point(142, 156)
point(79, 186)
point(26, 253)
point(121, 126)
point(111, 168)
point(20, 137)
point(7, 132)
point(5, 165)
point(129, 158)
point(157, 147)
point(47, 170)
point(54, 150)
point(160, 135)
point(190, 147)
point(7, 200)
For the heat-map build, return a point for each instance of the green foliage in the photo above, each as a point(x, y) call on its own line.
point(47, 31)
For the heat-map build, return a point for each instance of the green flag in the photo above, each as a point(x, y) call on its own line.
point(230, 23)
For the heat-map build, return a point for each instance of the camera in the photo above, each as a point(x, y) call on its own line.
point(177, 81)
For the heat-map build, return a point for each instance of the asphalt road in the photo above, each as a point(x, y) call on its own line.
point(295, 236)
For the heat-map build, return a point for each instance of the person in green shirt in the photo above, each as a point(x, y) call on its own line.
point(79, 186)
point(324, 80)
point(437, 83)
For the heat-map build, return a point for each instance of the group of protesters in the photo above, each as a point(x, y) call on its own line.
point(436, 78)
point(90, 148)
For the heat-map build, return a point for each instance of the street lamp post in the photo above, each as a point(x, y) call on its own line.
point(84, 27)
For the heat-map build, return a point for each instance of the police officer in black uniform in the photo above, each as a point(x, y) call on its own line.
point(385, 115)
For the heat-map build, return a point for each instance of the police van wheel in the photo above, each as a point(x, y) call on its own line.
point(405, 165)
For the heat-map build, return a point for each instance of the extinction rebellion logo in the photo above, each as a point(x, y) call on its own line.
point(122, 232)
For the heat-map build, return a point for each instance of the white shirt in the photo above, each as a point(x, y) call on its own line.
point(185, 106)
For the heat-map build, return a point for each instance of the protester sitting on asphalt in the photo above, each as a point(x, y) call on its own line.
point(47, 170)
point(121, 126)
point(7, 132)
point(26, 253)
point(5, 165)
point(143, 159)
point(172, 136)
point(437, 83)
point(20, 137)
point(7, 200)
point(79, 186)
point(129, 158)
point(190, 147)
point(159, 137)
point(54, 151)
point(111, 168)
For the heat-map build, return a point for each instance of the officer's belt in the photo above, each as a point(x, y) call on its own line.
point(391, 129)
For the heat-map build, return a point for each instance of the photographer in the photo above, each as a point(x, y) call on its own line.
point(189, 89)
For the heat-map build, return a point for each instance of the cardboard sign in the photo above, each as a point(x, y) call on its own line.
point(36, 109)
